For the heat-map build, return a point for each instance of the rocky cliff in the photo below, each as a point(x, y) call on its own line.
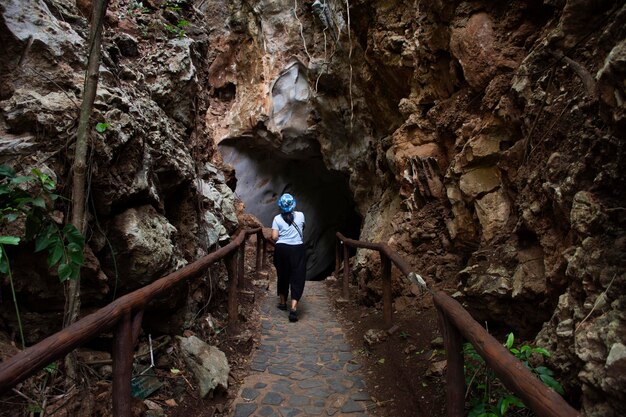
point(482, 140)
point(156, 202)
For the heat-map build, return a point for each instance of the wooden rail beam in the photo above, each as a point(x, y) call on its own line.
point(30, 360)
point(536, 395)
point(457, 323)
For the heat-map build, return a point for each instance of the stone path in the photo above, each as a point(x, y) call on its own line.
point(305, 368)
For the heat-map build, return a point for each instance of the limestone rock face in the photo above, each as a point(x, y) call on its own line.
point(475, 47)
point(144, 185)
point(290, 102)
point(143, 241)
point(493, 211)
point(611, 92)
point(51, 36)
point(220, 201)
point(171, 79)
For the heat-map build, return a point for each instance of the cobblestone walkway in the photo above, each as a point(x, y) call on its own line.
point(304, 368)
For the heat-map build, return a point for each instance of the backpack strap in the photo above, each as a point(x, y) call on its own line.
point(298, 229)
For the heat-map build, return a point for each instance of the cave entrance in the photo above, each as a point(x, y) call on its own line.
point(322, 195)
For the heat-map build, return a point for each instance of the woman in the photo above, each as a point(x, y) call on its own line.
point(289, 253)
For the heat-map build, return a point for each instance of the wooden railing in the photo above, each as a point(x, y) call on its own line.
point(124, 315)
point(456, 324)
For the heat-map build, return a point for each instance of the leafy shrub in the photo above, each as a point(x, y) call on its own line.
point(29, 198)
point(486, 395)
point(177, 29)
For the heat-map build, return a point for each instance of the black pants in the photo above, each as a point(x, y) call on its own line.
point(290, 263)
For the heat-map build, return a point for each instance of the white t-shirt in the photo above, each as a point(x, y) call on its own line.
point(289, 234)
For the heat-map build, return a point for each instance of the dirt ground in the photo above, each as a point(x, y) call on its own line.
point(177, 397)
point(403, 372)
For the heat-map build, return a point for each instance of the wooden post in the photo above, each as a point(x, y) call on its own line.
point(122, 366)
point(231, 267)
point(137, 318)
point(346, 272)
point(264, 258)
point(455, 379)
point(259, 255)
point(385, 271)
point(241, 269)
point(337, 257)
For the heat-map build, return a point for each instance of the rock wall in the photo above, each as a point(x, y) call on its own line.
point(483, 141)
point(156, 200)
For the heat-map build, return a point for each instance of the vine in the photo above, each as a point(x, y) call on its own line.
point(295, 13)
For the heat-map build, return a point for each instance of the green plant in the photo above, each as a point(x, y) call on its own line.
point(177, 29)
point(404, 335)
point(27, 202)
point(30, 198)
point(172, 7)
point(134, 9)
point(102, 127)
point(5, 268)
point(487, 397)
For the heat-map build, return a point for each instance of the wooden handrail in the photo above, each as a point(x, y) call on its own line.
point(455, 323)
point(125, 312)
point(512, 372)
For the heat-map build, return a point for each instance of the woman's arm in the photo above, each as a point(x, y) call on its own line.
point(274, 235)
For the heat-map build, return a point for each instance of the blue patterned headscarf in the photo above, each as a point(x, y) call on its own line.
point(286, 203)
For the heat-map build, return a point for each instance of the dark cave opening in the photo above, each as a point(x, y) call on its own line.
point(226, 93)
point(322, 195)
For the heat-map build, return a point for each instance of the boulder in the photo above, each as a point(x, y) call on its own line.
point(437, 368)
point(208, 364)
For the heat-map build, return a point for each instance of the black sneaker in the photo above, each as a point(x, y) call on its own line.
point(293, 316)
point(282, 306)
